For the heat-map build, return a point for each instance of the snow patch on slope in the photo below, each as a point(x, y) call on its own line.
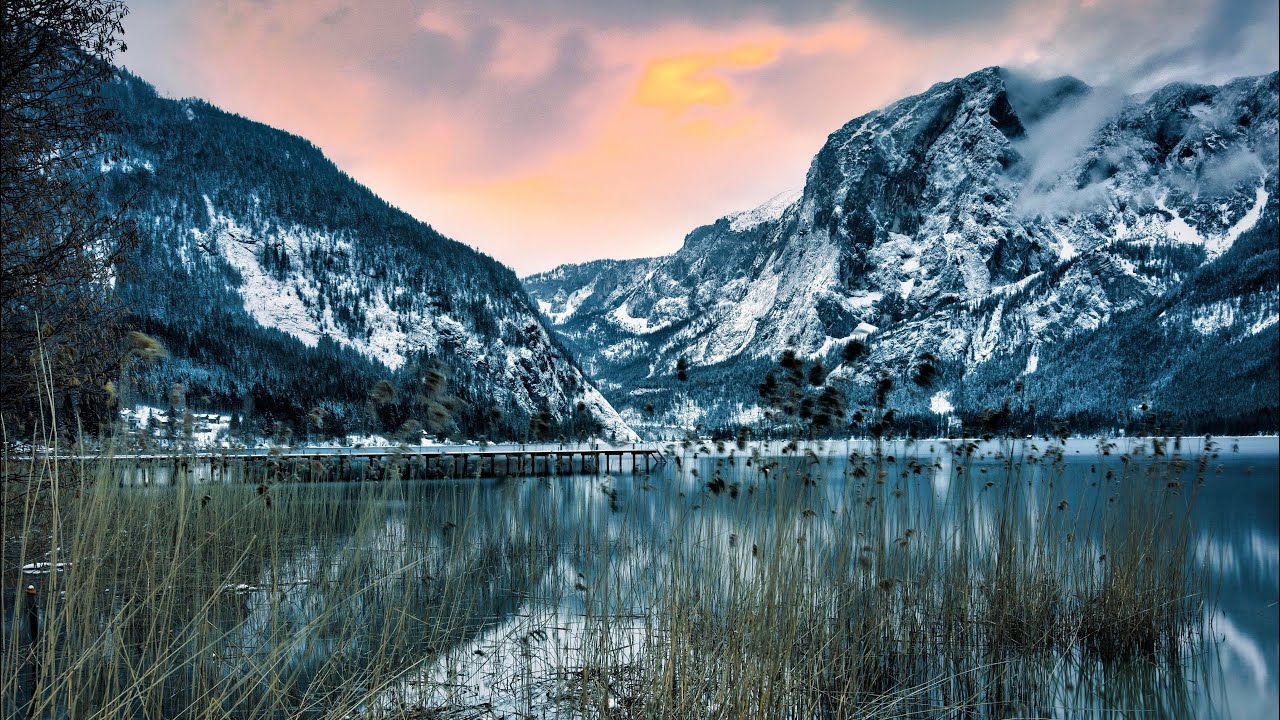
point(621, 316)
point(1263, 323)
point(940, 403)
point(614, 427)
point(1178, 229)
point(986, 340)
point(290, 303)
point(1217, 246)
point(571, 305)
point(1258, 310)
point(770, 210)
point(742, 323)
point(126, 165)
point(1181, 231)
point(271, 302)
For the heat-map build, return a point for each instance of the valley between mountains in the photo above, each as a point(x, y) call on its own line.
point(1079, 253)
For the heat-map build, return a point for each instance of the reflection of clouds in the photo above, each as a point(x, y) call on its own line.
point(1237, 646)
point(1256, 555)
point(942, 476)
point(1217, 554)
point(513, 660)
point(1265, 553)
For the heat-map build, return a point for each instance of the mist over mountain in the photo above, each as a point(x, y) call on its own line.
point(290, 293)
point(1077, 251)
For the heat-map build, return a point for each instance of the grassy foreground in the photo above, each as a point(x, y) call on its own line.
point(908, 582)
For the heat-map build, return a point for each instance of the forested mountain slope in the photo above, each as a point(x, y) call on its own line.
point(289, 292)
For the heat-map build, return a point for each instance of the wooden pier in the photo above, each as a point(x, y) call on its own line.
point(374, 464)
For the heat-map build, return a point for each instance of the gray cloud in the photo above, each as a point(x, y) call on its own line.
point(1225, 45)
point(1220, 175)
point(542, 106)
point(1228, 21)
point(919, 15)
point(922, 15)
point(431, 63)
point(933, 16)
point(510, 120)
point(1138, 46)
point(1052, 149)
point(648, 13)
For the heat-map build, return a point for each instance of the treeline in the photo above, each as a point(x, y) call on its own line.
point(277, 387)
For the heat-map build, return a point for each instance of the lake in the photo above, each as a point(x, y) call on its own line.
point(932, 579)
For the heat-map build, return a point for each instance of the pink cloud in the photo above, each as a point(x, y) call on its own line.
point(544, 136)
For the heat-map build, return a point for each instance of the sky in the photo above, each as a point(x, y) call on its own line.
point(550, 131)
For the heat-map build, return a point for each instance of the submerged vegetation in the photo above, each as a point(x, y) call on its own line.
point(893, 579)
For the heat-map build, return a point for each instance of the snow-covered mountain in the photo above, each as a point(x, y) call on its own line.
point(1103, 249)
point(286, 289)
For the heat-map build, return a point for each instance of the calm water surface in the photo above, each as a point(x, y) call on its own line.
point(617, 533)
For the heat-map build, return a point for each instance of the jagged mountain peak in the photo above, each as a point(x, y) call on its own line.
point(989, 217)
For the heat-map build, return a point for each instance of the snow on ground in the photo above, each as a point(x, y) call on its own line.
point(290, 303)
point(372, 441)
point(622, 350)
point(44, 568)
point(271, 302)
point(208, 429)
point(740, 319)
point(126, 165)
point(770, 210)
point(864, 300)
point(1178, 229)
point(863, 331)
point(1263, 323)
point(986, 340)
point(571, 305)
point(1259, 310)
point(621, 316)
point(899, 260)
point(1217, 246)
point(940, 403)
point(972, 264)
point(1066, 249)
point(1017, 285)
point(1208, 319)
point(614, 426)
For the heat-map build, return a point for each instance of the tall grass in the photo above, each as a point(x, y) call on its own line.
point(892, 581)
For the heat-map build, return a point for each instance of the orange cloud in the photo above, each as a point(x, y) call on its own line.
point(680, 82)
point(507, 135)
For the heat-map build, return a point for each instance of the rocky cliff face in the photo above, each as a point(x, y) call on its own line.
point(993, 222)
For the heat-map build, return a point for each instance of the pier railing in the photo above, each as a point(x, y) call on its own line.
point(323, 464)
